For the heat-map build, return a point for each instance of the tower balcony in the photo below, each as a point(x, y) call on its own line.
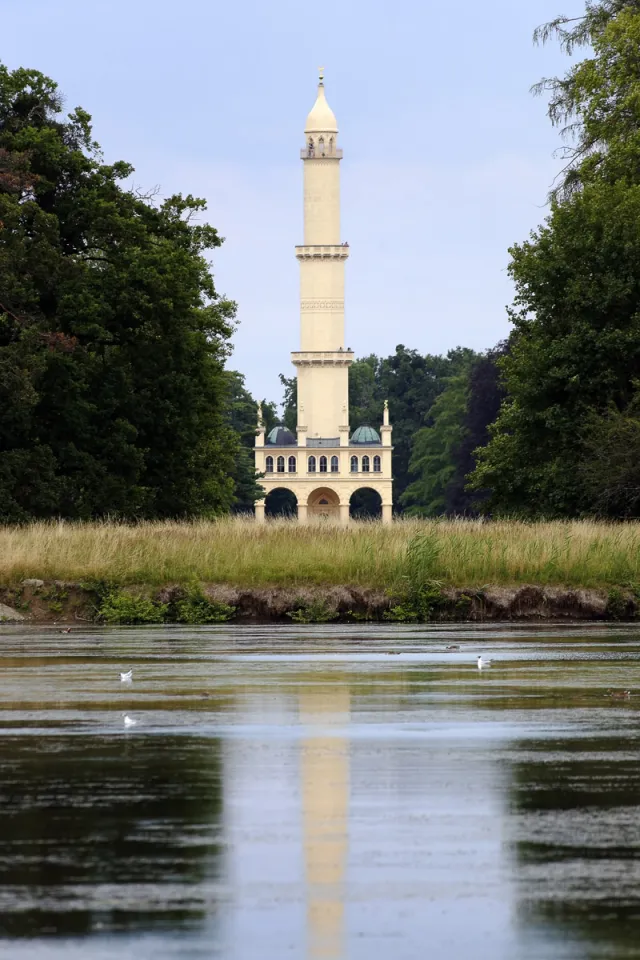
point(316, 153)
point(317, 251)
point(322, 358)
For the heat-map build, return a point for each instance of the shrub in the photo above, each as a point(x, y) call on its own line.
point(131, 608)
point(313, 611)
point(196, 608)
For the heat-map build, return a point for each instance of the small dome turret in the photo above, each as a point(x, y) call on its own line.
point(281, 437)
point(322, 118)
point(365, 434)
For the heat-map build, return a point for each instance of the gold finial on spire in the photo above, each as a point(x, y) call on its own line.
point(321, 76)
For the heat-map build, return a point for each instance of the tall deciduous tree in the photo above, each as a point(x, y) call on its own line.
point(242, 414)
point(112, 335)
point(436, 448)
point(576, 343)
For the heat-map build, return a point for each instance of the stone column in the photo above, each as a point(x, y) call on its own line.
point(302, 513)
point(387, 513)
point(259, 508)
point(344, 514)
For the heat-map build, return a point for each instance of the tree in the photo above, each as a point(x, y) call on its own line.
point(436, 448)
point(484, 397)
point(242, 414)
point(610, 467)
point(112, 336)
point(576, 343)
point(290, 402)
point(596, 103)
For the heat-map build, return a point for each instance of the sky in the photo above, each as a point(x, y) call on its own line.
point(448, 157)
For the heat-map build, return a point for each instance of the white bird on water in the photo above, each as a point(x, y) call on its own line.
point(127, 677)
point(483, 663)
point(129, 721)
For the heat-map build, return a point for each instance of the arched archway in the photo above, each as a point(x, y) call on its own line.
point(365, 504)
point(323, 504)
point(281, 503)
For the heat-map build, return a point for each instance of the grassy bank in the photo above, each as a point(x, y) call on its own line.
point(239, 552)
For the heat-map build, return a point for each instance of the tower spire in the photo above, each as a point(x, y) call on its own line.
point(322, 118)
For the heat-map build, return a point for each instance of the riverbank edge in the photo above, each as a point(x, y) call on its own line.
point(40, 602)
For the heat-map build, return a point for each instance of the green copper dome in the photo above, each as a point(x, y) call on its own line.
point(365, 434)
point(281, 437)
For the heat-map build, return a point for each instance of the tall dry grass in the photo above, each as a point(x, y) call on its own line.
point(462, 553)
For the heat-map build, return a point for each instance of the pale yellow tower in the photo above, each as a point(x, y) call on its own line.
point(325, 813)
point(322, 465)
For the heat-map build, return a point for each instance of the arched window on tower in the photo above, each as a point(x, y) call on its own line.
point(269, 465)
point(376, 465)
point(323, 464)
point(321, 146)
point(310, 148)
point(331, 145)
point(354, 464)
point(280, 464)
point(312, 464)
point(365, 464)
point(292, 464)
point(335, 465)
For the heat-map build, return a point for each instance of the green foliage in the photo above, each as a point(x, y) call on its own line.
point(192, 606)
point(196, 608)
point(112, 335)
point(610, 469)
point(290, 402)
point(242, 416)
point(420, 593)
point(313, 611)
point(617, 605)
point(574, 358)
point(435, 448)
point(576, 349)
point(419, 605)
point(129, 608)
point(596, 103)
point(410, 382)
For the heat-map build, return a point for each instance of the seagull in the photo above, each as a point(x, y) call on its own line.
point(129, 721)
point(127, 677)
point(453, 646)
point(483, 663)
point(66, 630)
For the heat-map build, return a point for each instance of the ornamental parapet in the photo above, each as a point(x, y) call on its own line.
point(317, 153)
point(319, 358)
point(338, 251)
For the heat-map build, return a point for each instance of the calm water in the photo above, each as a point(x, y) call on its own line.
point(304, 793)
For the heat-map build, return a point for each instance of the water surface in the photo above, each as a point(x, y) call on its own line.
point(320, 792)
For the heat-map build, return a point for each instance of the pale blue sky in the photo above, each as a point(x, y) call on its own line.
point(447, 156)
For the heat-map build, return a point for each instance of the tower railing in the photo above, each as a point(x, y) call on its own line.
point(316, 153)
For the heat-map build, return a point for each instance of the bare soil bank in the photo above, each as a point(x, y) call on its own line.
point(38, 601)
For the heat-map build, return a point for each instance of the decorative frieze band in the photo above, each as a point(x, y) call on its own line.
point(329, 305)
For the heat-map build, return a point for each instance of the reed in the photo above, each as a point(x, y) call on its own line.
point(241, 552)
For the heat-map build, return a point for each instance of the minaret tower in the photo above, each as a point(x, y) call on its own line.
point(323, 466)
point(322, 362)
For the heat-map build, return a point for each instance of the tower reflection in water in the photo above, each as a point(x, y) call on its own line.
point(324, 769)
